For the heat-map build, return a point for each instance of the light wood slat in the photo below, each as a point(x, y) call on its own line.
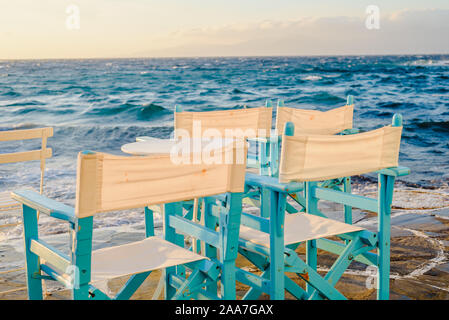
point(24, 156)
point(10, 225)
point(5, 197)
point(12, 204)
point(8, 202)
point(25, 134)
point(10, 208)
point(13, 290)
point(12, 270)
point(16, 210)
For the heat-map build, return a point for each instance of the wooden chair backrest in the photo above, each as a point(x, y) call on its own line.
point(107, 182)
point(247, 122)
point(315, 122)
point(40, 154)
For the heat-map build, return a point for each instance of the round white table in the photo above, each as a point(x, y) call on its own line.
point(155, 146)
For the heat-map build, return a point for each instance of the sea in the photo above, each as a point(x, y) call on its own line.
point(102, 104)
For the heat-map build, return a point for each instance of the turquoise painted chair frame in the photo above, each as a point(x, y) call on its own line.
point(204, 273)
point(221, 246)
point(275, 260)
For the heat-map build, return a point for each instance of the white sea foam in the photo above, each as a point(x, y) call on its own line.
point(428, 62)
point(313, 78)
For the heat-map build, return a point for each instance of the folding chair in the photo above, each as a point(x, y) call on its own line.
point(241, 124)
point(334, 121)
point(41, 154)
point(245, 122)
point(108, 183)
point(8, 207)
point(269, 243)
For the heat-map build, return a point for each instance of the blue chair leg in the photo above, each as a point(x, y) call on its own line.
point(311, 260)
point(230, 224)
point(311, 247)
point(81, 258)
point(263, 157)
point(348, 209)
point(385, 199)
point(172, 236)
point(210, 251)
point(277, 209)
point(264, 203)
point(149, 222)
point(32, 260)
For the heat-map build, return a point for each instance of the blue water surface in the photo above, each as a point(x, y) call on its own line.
point(103, 104)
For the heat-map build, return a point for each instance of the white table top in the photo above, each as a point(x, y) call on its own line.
point(155, 146)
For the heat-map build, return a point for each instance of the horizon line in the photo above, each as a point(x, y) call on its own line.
point(232, 56)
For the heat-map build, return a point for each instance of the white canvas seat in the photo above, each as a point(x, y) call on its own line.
point(300, 227)
point(147, 255)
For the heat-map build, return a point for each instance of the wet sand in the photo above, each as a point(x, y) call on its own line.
point(419, 254)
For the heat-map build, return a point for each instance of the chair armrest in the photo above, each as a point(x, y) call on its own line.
point(45, 205)
point(395, 171)
point(272, 183)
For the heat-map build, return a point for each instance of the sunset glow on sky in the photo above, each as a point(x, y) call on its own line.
point(153, 28)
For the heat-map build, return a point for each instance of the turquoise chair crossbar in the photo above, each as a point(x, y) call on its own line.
point(108, 183)
point(269, 241)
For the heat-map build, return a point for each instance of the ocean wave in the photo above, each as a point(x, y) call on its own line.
point(397, 105)
point(77, 96)
point(240, 91)
point(25, 103)
point(321, 98)
point(11, 94)
point(377, 114)
point(150, 110)
point(428, 63)
point(438, 126)
point(26, 110)
point(312, 78)
point(25, 125)
point(50, 92)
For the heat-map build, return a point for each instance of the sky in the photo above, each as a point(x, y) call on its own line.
point(31, 29)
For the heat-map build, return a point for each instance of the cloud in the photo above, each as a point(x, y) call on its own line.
point(405, 32)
